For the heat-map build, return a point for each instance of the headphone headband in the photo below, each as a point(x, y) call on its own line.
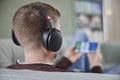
point(44, 14)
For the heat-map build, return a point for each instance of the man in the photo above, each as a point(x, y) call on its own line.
point(29, 25)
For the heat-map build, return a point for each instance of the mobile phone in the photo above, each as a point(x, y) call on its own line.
point(86, 47)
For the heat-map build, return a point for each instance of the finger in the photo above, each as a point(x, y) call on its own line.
point(72, 48)
point(78, 55)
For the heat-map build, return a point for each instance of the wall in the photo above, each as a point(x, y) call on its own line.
point(112, 20)
point(9, 7)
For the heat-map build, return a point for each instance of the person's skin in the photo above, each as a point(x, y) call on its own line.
point(41, 54)
point(95, 58)
point(71, 55)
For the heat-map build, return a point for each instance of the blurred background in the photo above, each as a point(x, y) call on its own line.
point(105, 13)
point(102, 17)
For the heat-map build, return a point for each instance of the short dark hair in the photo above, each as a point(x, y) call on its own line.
point(28, 24)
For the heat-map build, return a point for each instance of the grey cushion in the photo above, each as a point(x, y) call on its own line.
point(9, 52)
point(7, 74)
point(110, 53)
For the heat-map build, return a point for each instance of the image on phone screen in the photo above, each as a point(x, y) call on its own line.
point(86, 47)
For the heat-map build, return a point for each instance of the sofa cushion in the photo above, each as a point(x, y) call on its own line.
point(9, 52)
point(110, 53)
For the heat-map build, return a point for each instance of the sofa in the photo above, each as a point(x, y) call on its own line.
point(9, 53)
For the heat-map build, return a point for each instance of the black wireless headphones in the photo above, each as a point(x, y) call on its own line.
point(51, 37)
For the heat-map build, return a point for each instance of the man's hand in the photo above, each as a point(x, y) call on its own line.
point(95, 59)
point(71, 55)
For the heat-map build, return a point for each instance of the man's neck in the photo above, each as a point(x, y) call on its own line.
point(39, 55)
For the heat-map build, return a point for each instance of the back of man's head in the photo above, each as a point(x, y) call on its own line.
point(28, 24)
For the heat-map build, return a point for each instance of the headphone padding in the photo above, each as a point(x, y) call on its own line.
point(15, 39)
point(52, 39)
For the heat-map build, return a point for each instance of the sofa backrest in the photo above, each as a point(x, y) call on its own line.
point(110, 53)
point(9, 52)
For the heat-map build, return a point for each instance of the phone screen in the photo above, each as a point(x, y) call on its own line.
point(86, 47)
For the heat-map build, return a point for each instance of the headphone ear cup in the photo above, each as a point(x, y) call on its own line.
point(52, 39)
point(15, 39)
